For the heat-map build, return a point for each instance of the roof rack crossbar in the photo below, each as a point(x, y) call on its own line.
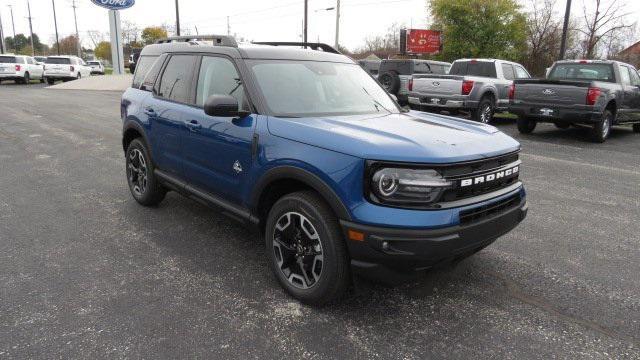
point(313, 46)
point(220, 40)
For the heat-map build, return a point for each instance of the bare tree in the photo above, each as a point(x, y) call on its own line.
point(544, 34)
point(383, 45)
point(96, 37)
point(603, 22)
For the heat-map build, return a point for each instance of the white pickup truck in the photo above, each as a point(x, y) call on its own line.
point(480, 86)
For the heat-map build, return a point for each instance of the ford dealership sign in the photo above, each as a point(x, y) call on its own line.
point(114, 4)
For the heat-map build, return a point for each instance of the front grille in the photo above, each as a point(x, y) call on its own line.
point(479, 213)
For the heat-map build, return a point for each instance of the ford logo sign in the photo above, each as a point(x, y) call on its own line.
point(549, 92)
point(436, 84)
point(114, 4)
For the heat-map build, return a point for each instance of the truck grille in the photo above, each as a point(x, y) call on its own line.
point(479, 213)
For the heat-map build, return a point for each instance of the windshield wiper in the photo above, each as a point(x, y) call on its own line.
point(376, 102)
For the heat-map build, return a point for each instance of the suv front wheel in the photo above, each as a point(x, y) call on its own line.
point(143, 183)
point(306, 249)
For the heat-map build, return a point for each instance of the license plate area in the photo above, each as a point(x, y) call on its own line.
point(547, 112)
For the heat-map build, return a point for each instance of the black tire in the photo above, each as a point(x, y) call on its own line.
point(27, 78)
point(562, 125)
point(79, 76)
point(526, 125)
point(42, 80)
point(601, 130)
point(390, 81)
point(50, 81)
point(485, 111)
point(288, 245)
point(143, 184)
point(636, 128)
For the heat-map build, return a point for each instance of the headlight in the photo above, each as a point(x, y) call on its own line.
point(398, 186)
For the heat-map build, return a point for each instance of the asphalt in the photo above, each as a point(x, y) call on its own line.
point(85, 272)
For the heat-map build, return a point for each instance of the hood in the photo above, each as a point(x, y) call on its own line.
point(411, 137)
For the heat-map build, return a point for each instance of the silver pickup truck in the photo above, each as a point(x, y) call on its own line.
point(597, 93)
point(480, 86)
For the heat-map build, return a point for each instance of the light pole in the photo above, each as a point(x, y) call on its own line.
point(1, 37)
point(55, 23)
point(177, 19)
point(563, 43)
point(337, 9)
point(306, 21)
point(33, 49)
point(13, 25)
point(77, 33)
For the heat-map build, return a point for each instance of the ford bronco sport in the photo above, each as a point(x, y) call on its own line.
point(309, 148)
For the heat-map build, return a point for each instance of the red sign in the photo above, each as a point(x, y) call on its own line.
point(423, 41)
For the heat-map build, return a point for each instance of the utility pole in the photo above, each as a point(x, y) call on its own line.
point(337, 24)
point(1, 37)
point(228, 27)
point(13, 25)
point(177, 19)
point(55, 23)
point(565, 29)
point(33, 49)
point(75, 18)
point(306, 21)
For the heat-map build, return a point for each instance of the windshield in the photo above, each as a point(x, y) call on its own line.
point(51, 60)
point(600, 72)
point(7, 59)
point(311, 88)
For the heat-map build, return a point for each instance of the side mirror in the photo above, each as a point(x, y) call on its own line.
point(224, 106)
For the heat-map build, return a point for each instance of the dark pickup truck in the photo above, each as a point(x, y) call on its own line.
point(592, 92)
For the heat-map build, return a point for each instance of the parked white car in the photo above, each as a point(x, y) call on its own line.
point(96, 67)
point(19, 68)
point(65, 68)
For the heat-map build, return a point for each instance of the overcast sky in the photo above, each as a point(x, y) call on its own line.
point(276, 20)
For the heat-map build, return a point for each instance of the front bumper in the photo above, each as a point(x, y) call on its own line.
point(438, 101)
point(391, 254)
point(577, 114)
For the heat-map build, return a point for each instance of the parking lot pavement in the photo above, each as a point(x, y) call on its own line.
point(85, 272)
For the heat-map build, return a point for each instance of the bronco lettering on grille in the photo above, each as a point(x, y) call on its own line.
point(477, 180)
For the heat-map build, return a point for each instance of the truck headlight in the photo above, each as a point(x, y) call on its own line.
point(412, 187)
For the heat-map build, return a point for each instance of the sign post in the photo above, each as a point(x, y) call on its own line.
point(117, 53)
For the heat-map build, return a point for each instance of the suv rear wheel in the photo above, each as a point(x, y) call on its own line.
point(26, 79)
point(601, 130)
point(306, 248)
point(636, 128)
point(143, 183)
point(526, 125)
point(484, 112)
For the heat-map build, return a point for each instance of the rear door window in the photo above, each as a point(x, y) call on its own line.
point(635, 78)
point(175, 83)
point(521, 73)
point(507, 71)
point(625, 78)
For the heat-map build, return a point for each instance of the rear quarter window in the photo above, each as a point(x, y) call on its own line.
point(142, 69)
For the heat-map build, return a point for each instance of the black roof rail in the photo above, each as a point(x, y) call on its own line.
point(313, 46)
point(220, 40)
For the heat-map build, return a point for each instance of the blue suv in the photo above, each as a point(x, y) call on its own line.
point(305, 145)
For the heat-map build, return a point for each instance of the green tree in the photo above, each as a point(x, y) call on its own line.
point(103, 50)
point(480, 28)
point(153, 33)
point(17, 44)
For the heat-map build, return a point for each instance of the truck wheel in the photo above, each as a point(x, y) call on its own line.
point(306, 249)
point(390, 81)
point(600, 131)
point(636, 128)
point(26, 79)
point(51, 81)
point(526, 125)
point(143, 183)
point(484, 112)
point(561, 125)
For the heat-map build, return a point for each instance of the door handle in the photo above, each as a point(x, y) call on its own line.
point(193, 125)
point(149, 111)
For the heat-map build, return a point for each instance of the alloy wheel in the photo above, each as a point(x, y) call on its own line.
point(298, 250)
point(485, 114)
point(137, 172)
point(606, 126)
